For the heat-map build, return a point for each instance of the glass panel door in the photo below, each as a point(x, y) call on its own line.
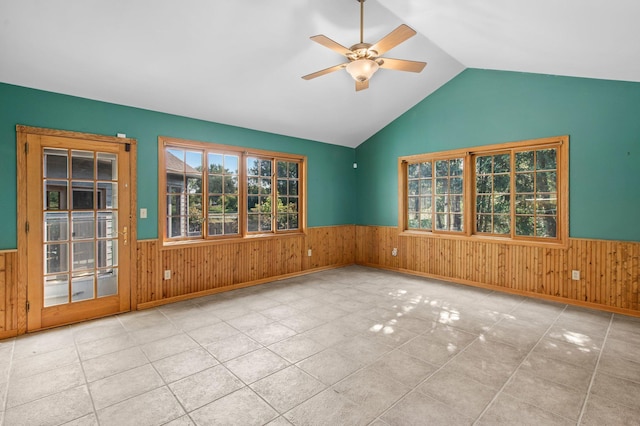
point(80, 210)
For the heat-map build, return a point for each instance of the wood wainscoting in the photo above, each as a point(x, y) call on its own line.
point(197, 270)
point(610, 270)
point(8, 294)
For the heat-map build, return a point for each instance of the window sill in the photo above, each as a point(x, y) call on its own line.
point(555, 244)
point(169, 245)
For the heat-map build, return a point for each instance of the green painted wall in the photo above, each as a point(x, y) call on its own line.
point(481, 107)
point(330, 167)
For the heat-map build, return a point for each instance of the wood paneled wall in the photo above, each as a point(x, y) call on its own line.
point(610, 270)
point(8, 294)
point(203, 269)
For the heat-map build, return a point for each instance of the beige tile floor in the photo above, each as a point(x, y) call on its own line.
point(352, 346)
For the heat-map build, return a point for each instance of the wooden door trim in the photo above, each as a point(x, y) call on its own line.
point(22, 266)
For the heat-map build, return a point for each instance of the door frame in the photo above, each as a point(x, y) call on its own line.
point(22, 243)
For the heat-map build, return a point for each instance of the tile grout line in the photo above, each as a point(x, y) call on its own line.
point(84, 375)
point(595, 371)
point(518, 367)
point(414, 389)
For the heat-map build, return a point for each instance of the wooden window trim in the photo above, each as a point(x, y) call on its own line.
point(242, 153)
point(562, 167)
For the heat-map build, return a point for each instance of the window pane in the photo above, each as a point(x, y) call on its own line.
point(483, 223)
point(265, 168)
point(231, 164)
point(293, 221)
point(193, 160)
point(501, 224)
point(426, 221)
point(524, 204)
point(107, 195)
point(107, 253)
point(525, 226)
point(414, 204)
point(107, 227)
point(56, 226)
point(55, 163)
point(483, 204)
point(82, 287)
point(484, 184)
point(414, 220)
point(215, 163)
point(231, 204)
point(413, 187)
point(442, 168)
point(524, 182)
point(56, 290)
point(546, 226)
point(426, 170)
point(56, 258)
point(456, 222)
point(282, 187)
point(83, 255)
point(194, 185)
point(265, 222)
point(414, 171)
point(230, 184)
point(82, 195)
point(455, 186)
point(442, 186)
point(502, 163)
point(546, 182)
point(216, 224)
point(501, 203)
point(455, 167)
point(265, 186)
point(293, 187)
point(546, 159)
point(82, 226)
point(524, 161)
point(455, 203)
point(107, 166)
point(442, 222)
point(253, 222)
point(107, 282)
point(441, 203)
point(546, 204)
point(426, 186)
point(55, 194)
point(215, 184)
point(231, 224)
point(174, 160)
point(484, 165)
point(252, 186)
point(82, 164)
point(175, 226)
point(425, 204)
point(293, 170)
point(501, 183)
point(174, 205)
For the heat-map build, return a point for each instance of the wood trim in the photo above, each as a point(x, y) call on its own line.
point(23, 134)
point(242, 153)
point(189, 296)
point(72, 134)
point(610, 270)
point(218, 267)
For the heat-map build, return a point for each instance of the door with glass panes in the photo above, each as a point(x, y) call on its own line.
point(78, 242)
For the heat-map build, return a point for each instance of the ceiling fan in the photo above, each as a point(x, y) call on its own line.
point(364, 58)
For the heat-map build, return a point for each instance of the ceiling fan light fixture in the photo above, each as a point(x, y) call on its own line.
point(362, 69)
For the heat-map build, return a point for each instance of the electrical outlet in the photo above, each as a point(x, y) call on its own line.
point(167, 274)
point(309, 252)
point(575, 275)
point(394, 252)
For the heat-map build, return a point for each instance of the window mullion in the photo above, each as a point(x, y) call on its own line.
point(274, 195)
point(512, 188)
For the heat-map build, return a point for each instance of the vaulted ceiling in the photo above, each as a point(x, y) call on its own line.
point(240, 62)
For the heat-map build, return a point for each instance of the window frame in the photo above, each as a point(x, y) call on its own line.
point(469, 191)
point(242, 153)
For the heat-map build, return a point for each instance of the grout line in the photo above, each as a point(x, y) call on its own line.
point(518, 368)
point(595, 370)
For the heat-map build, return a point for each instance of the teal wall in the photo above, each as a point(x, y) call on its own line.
point(481, 107)
point(330, 167)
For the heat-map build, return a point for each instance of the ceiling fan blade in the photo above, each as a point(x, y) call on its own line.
point(327, 42)
point(394, 38)
point(401, 64)
point(324, 71)
point(361, 85)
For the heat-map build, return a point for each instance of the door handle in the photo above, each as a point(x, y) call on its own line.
point(125, 235)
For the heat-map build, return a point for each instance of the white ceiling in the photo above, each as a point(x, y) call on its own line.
point(240, 62)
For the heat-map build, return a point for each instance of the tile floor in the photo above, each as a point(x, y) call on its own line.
point(352, 346)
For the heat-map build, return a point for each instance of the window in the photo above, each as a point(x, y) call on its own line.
point(515, 191)
point(442, 206)
point(212, 191)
